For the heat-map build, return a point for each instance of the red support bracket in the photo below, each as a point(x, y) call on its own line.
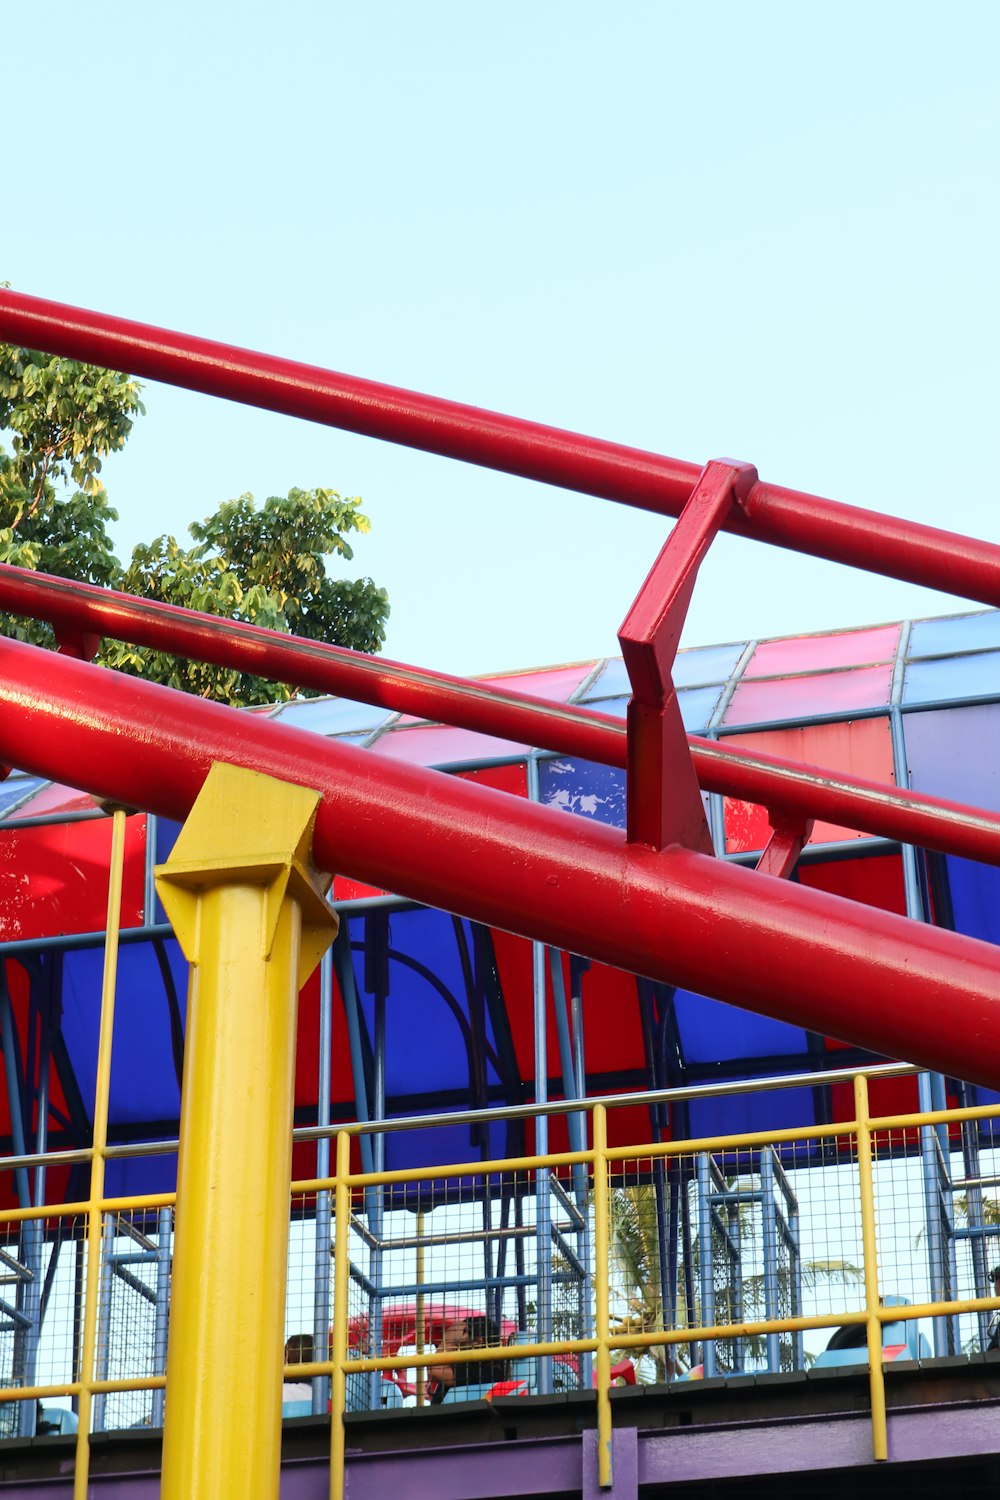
point(789, 837)
point(664, 802)
point(82, 645)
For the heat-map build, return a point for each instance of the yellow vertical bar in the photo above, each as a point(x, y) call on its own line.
point(222, 1427)
point(602, 1295)
point(341, 1266)
point(240, 892)
point(420, 1330)
point(880, 1440)
point(102, 1092)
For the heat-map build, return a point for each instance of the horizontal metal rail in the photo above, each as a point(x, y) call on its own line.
point(781, 785)
point(864, 975)
point(641, 1099)
point(783, 517)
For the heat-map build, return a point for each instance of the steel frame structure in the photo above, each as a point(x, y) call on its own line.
point(645, 901)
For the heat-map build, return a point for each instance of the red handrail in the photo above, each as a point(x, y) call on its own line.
point(897, 987)
point(784, 517)
point(778, 784)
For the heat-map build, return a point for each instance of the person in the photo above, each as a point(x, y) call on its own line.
point(994, 1340)
point(474, 1332)
point(298, 1351)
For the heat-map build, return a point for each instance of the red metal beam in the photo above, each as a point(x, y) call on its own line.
point(814, 960)
point(786, 518)
point(799, 791)
point(664, 804)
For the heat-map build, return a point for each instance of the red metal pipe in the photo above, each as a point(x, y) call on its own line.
point(786, 518)
point(787, 786)
point(82, 608)
point(833, 966)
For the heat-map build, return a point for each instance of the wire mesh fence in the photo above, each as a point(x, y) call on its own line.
point(133, 1315)
point(42, 1274)
point(726, 1238)
point(487, 1263)
point(704, 1245)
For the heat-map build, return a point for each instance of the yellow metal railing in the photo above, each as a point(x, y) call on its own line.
point(347, 1188)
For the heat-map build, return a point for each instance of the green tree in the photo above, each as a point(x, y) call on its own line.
point(266, 566)
point(637, 1306)
point(64, 418)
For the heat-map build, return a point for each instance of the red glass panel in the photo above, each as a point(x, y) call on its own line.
point(611, 1024)
point(557, 684)
point(875, 881)
point(861, 747)
point(778, 698)
point(887, 1096)
point(55, 878)
point(816, 653)
point(441, 745)
point(54, 798)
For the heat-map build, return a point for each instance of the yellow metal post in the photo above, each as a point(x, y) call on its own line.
point(102, 1094)
point(341, 1292)
point(248, 910)
point(420, 1330)
point(880, 1440)
point(602, 1295)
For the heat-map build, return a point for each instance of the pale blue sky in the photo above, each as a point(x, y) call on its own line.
point(762, 230)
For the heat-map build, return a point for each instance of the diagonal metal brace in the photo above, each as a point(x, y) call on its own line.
point(789, 837)
point(663, 800)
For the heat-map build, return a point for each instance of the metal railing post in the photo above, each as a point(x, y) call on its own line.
point(706, 1260)
point(102, 1094)
point(341, 1292)
point(321, 1298)
point(602, 1261)
point(880, 1445)
point(770, 1237)
point(164, 1257)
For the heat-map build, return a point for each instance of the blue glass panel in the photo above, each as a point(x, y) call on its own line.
point(616, 706)
point(405, 1148)
point(774, 1110)
point(125, 1176)
point(332, 715)
point(143, 1078)
point(427, 1007)
point(711, 1031)
point(975, 898)
point(15, 790)
point(612, 683)
point(960, 633)
point(580, 787)
point(952, 677)
point(698, 706)
point(704, 665)
point(166, 837)
point(709, 664)
point(951, 754)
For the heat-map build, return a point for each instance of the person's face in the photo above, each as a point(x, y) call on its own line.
point(456, 1335)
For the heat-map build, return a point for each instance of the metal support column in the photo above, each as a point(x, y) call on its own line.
point(770, 1237)
point(161, 1319)
point(543, 1218)
point(248, 910)
point(706, 1267)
